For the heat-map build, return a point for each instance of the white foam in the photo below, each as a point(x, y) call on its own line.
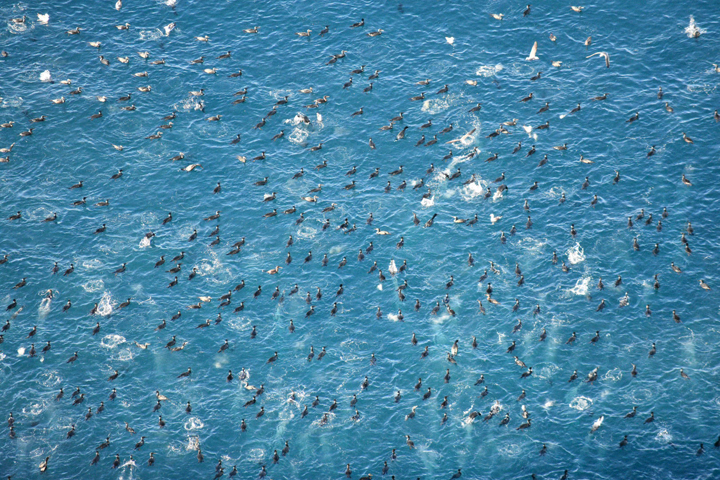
point(193, 443)
point(105, 305)
point(145, 242)
point(43, 18)
point(450, 40)
point(576, 254)
point(472, 190)
point(582, 286)
point(581, 403)
point(44, 307)
point(46, 76)
point(428, 202)
point(298, 136)
point(488, 70)
point(92, 264)
point(151, 34)
point(436, 105)
point(112, 341)
point(93, 285)
point(615, 375)
point(193, 423)
point(392, 316)
point(21, 351)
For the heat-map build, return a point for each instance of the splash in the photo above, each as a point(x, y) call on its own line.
point(434, 106)
point(93, 286)
point(44, 307)
point(392, 268)
point(193, 443)
point(692, 30)
point(151, 34)
point(112, 341)
point(298, 136)
point(145, 242)
point(46, 77)
point(428, 202)
point(582, 286)
point(472, 190)
point(581, 403)
point(193, 423)
point(576, 254)
point(105, 305)
point(450, 40)
point(488, 70)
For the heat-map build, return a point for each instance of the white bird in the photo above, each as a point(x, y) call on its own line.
point(494, 219)
point(119, 148)
point(118, 5)
point(471, 82)
point(101, 98)
point(450, 40)
point(497, 16)
point(43, 18)
point(557, 63)
point(192, 167)
point(310, 199)
point(123, 59)
point(381, 232)
point(203, 39)
point(58, 100)
point(533, 52)
point(205, 298)
point(169, 28)
point(602, 54)
point(241, 158)
point(66, 82)
point(527, 129)
point(597, 424)
point(95, 44)
point(577, 9)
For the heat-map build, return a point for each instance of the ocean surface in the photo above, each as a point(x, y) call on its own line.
point(481, 59)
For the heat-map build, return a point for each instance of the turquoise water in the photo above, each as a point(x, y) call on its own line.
point(648, 47)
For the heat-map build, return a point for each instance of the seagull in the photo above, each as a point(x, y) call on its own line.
point(602, 54)
point(497, 16)
point(533, 51)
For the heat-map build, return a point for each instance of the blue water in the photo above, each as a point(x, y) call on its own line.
point(648, 48)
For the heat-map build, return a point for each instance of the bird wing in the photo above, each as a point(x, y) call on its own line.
point(533, 52)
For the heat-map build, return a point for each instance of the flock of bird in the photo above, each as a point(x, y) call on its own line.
point(237, 298)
